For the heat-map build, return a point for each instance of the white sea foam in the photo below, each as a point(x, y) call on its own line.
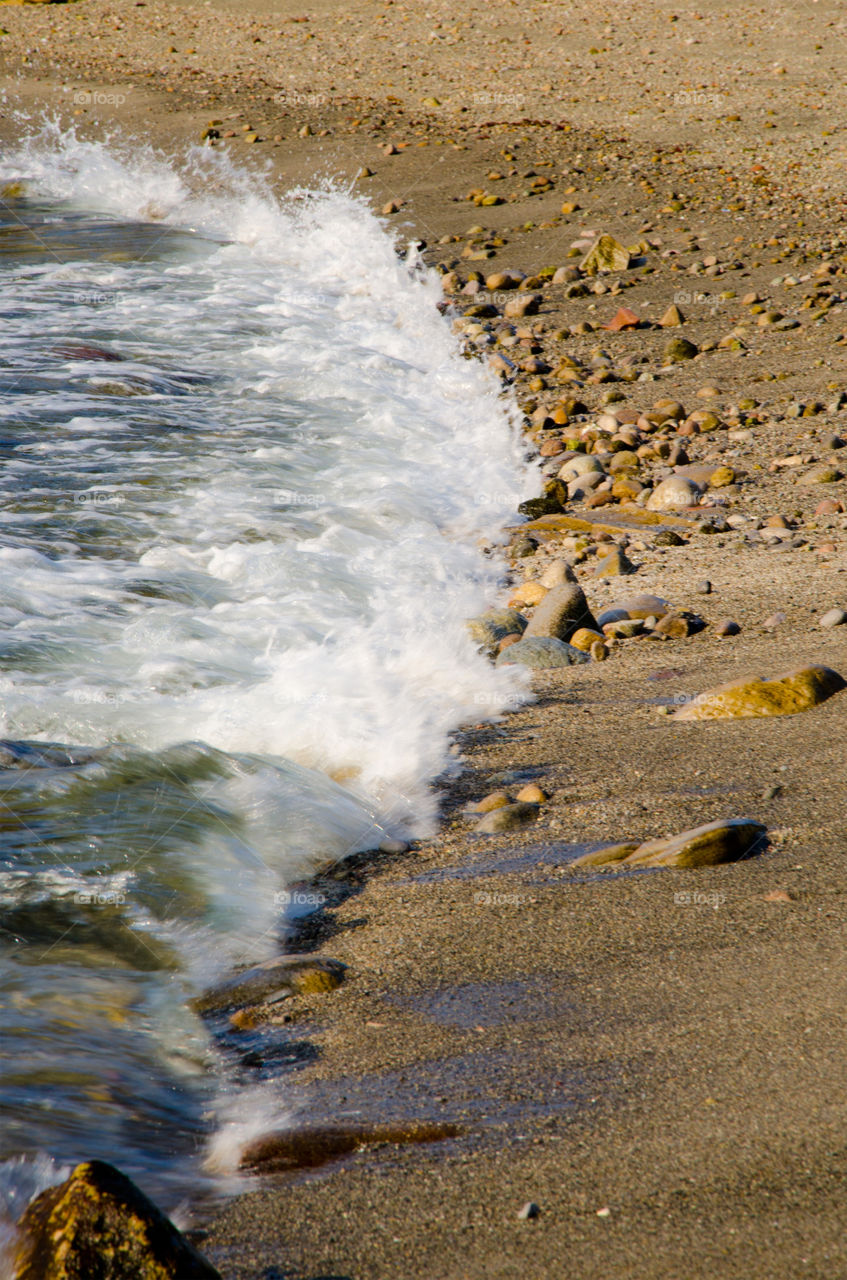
point(333, 633)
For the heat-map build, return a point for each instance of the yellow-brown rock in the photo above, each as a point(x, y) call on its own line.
point(584, 638)
point(784, 695)
point(494, 800)
point(528, 593)
point(98, 1224)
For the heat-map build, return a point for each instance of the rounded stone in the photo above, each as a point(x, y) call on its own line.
point(540, 653)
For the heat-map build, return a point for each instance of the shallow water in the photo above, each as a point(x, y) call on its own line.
point(244, 476)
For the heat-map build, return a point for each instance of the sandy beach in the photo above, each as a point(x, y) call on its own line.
point(651, 1058)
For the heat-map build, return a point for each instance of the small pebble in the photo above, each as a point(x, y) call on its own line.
point(834, 618)
point(704, 588)
point(530, 1210)
point(727, 628)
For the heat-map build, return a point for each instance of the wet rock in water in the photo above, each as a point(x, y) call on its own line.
point(834, 618)
point(606, 254)
point(273, 980)
point(541, 653)
point(716, 842)
point(98, 1226)
point(613, 564)
point(784, 695)
point(562, 612)
point(673, 493)
point(488, 629)
point(508, 818)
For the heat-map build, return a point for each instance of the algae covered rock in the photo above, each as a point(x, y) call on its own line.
point(98, 1226)
point(784, 695)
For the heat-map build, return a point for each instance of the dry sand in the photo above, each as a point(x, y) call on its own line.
point(655, 1059)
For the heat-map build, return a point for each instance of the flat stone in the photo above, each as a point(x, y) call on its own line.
point(541, 653)
point(784, 695)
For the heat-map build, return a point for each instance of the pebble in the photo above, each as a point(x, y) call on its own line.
point(532, 794)
point(614, 564)
point(775, 620)
point(728, 627)
point(704, 587)
point(529, 1211)
point(834, 618)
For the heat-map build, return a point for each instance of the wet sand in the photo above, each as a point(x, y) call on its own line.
point(653, 1058)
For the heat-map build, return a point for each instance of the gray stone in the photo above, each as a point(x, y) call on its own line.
point(488, 629)
point(540, 653)
point(562, 612)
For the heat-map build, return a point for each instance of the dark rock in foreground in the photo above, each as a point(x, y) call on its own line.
point(98, 1226)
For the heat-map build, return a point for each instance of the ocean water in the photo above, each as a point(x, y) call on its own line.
point(245, 477)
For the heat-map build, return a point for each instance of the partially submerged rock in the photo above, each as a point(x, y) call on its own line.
point(98, 1226)
point(706, 846)
point(273, 980)
point(784, 695)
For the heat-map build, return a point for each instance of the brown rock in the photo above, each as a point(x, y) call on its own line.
point(280, 976)
point(507, 818)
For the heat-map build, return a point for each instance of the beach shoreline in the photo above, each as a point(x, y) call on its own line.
point(652, 1058)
